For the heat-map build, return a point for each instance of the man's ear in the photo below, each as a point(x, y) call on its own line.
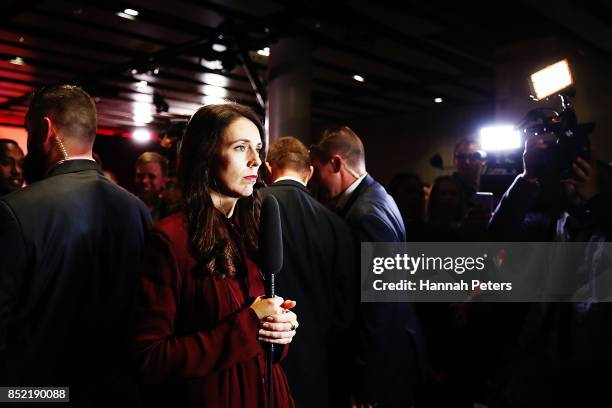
point(336, 162)
point(309, 174)
point(47, 130)
point(269, 167)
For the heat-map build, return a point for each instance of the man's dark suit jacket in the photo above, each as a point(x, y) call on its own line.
point(318, 273)
point(387, 365)
point(70, 249)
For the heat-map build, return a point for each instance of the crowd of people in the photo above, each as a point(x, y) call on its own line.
point(156, 298)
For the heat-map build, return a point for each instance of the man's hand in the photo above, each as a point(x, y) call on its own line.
point(586, 179)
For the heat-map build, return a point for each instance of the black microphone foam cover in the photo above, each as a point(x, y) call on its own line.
point(271, 238)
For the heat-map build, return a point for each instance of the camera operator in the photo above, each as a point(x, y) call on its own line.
point(539, 206)
point(564, 352)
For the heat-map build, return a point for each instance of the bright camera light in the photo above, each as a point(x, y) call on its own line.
point(358, 78)
point(131, 12)
point(500, 138)
point(551, 79)
point(141, 136)
point(438, 100)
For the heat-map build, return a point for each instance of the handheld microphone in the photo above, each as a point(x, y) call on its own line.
point(271, 242)
point(271, 253)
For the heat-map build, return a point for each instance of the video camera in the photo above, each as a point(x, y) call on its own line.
point(571, 139)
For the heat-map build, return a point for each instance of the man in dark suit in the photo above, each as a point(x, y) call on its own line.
point(386, 360)
point(318, 273)
point(71, 245)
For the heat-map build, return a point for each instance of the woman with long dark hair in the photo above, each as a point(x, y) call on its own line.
point(200, 319)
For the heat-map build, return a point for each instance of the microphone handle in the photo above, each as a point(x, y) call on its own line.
point(270, 351)
point(271, 289)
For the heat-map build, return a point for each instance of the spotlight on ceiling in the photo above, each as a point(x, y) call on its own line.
point(142, 135)
point(213, 65)
point(219, 47)
point(17, 61)
point(126, 16)
point(131, 12)
point(142, 118)
point(142, 85)
point(264, 52)
point(438, 100)
point(358, 78)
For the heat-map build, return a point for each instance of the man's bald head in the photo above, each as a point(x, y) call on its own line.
point(340, 140)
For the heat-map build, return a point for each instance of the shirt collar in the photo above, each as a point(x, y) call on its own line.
point(290, 178)
point(346, 194)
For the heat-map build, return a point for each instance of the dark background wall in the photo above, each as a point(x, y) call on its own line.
point(406, 143)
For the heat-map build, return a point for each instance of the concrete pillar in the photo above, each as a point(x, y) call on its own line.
point(289, 89)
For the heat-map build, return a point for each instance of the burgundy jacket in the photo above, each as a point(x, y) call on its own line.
point(196, 338)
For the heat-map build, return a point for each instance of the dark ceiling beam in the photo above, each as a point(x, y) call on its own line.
point(571, 32)
point(170, 53)
point(222, 10)
point(342, 14)
point(384, 84)
point(101, 27)
point(426, 75)
point(163, 74)
point(348, 113)
point(66, 66)
point(147, 15)
point(68, 69)
point(112, 91)
point(328, 116)
point(460, 19)
point(160, 86)
point(458, 59)
point(350, 92)
point(321, 98)
point(45, 50)
point(14, 7)
point(28, 31)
